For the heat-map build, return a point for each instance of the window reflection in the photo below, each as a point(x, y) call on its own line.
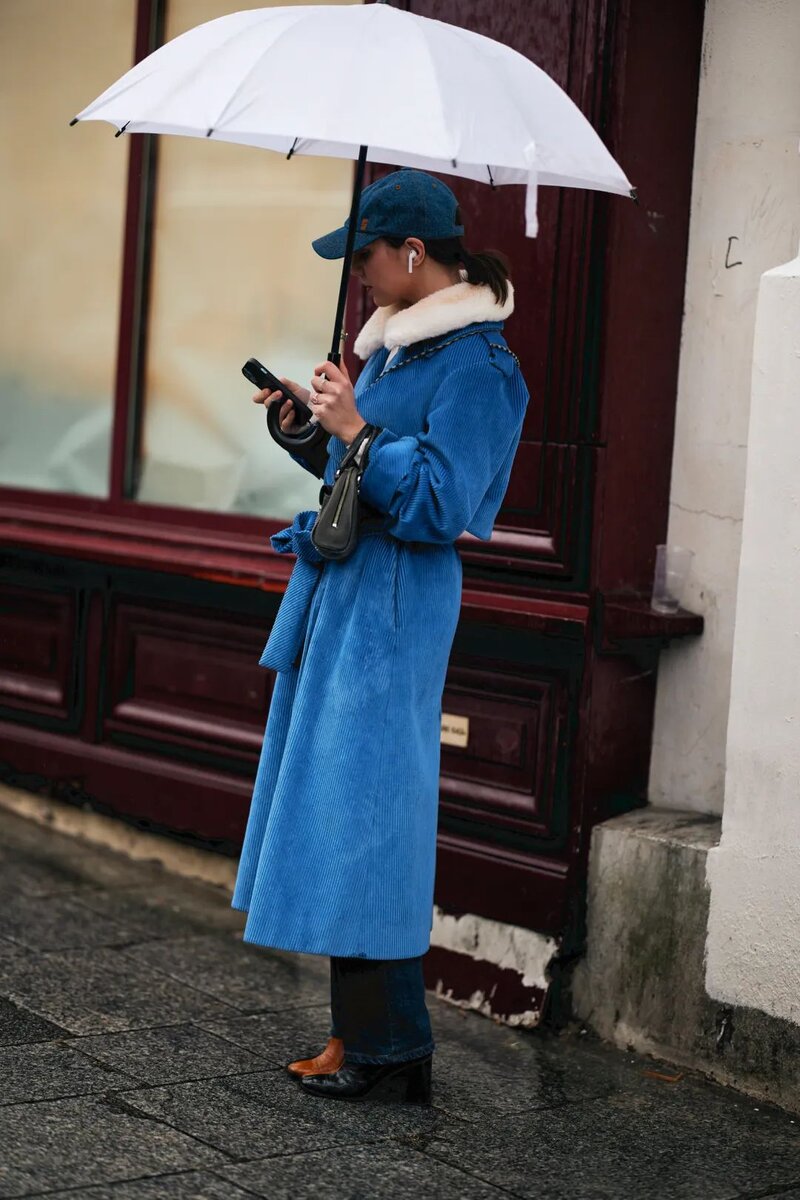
point(62, 209)
point(233, 276)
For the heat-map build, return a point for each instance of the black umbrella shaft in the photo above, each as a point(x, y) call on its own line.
point(335, 355)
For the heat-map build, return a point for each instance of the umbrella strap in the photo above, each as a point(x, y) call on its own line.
point(531, 192)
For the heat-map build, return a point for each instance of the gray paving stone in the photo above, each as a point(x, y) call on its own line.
point(59, 922)
point(23, 875)
point(690, 1143)
point(252, 1116)
point(572, 1051)
point(186, 1030)
point(68, 1143)
point(243, 976)
point(101, 991)
point(170, 1054)
point(506, 1072)
point(480, 1066)
point(170, 908)
point(792, 1194)
point(10, 953)
point(62, 862)
point(47, 1070)
point(18, 1025)
point(470, 1084)
point(279, 1037)
point(359, 1173)
point(188, 1185)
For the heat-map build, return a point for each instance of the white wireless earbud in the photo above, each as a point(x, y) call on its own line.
point(412, 254)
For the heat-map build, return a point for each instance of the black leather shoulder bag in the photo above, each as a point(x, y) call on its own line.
point(335, 531)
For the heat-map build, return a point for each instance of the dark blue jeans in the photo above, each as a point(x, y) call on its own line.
point(378, 1009)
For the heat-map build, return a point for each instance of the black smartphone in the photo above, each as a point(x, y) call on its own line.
point(258, 374)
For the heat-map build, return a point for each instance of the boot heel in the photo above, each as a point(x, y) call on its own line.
point(418, 1082)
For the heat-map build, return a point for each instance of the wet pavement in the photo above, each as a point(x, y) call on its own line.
point(142, 1052)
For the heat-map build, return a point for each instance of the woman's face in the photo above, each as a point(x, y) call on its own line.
point(384, 271)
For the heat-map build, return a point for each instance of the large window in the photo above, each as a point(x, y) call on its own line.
point(62, 210)
point(230, 274)
point(233, 276)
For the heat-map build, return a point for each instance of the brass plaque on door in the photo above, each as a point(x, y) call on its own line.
point(455, 730)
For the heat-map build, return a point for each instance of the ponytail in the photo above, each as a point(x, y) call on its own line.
point(490, 267)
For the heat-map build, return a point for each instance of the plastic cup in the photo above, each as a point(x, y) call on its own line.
point(672, 570)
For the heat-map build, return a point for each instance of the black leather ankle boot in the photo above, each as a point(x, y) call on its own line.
point(354, 1081)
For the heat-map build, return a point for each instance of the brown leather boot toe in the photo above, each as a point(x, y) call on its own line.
point(325, 1063)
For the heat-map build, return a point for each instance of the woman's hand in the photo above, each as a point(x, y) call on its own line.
point(333, 401)
point(266, 396)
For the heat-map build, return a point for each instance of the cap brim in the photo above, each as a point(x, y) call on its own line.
point(333, 245)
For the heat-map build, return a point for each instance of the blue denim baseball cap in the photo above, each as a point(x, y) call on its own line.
point(406, 203)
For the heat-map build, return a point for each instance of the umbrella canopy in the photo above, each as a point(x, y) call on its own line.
point(401, 89)
point(415, 91)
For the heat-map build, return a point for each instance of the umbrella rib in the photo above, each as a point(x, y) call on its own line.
point(210, 52)
point(269, 49)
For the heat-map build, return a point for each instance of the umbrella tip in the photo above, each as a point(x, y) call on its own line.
point(122, 130)
point(634, 196)
point(209, 132)
point(74, 121)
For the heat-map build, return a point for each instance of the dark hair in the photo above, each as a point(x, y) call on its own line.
point(490, 266)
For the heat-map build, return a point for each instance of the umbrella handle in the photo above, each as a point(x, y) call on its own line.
point(310, 442)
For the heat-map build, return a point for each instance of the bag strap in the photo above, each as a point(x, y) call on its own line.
point(357, 452)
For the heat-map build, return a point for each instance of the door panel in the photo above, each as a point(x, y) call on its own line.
point(186, 679)
point(38, 653)
point(505, 774)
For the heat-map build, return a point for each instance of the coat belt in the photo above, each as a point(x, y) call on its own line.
point(286, 638)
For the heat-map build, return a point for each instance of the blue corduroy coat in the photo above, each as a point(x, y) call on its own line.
point(340, 847)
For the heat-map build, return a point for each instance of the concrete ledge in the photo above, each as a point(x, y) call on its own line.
point(642, 982)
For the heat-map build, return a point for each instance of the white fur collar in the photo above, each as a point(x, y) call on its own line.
point(450, 308)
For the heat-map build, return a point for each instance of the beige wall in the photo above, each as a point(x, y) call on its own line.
point(747, 187)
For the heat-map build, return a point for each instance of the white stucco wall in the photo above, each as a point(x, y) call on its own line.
point(746, 186)
point(753, 947)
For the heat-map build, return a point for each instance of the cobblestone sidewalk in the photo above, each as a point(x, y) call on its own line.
point(142, 1047)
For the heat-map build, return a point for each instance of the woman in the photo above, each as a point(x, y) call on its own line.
point(339, 852)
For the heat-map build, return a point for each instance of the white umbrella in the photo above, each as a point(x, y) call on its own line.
point(417, 92)
point(404, 89)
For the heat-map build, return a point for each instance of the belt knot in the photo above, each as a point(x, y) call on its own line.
point(296, 538)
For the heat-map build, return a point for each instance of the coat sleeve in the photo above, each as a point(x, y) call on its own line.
point(431, 483)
